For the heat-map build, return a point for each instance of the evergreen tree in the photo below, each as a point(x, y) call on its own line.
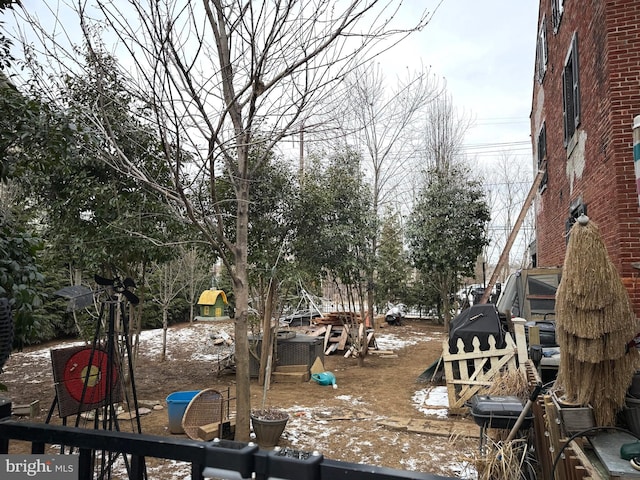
point(447, 230)
point(393, 272)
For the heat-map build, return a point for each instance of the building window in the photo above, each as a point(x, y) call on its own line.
point(542, 156)
point(571, 93)
point(557, 7)
point(541, 50)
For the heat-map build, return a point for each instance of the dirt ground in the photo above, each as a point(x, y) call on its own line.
point(342, 424)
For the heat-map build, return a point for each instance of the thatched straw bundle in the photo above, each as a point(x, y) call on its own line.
point(594, 324)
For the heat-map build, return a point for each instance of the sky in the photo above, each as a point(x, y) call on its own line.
point(485, 51)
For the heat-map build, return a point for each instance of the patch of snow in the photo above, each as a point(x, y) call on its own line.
point(199, 337)
point(428, 399)
point(179, 470)
point(350, 400)
point(390, 341)
point(464, 469)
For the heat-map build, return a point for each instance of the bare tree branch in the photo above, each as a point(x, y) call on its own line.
point(223, 82)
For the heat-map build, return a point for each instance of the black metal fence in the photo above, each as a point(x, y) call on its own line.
point(223, 459)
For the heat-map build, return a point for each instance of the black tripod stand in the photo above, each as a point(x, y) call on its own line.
point(91, 377)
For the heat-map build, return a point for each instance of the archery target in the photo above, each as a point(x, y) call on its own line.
point(81, 379)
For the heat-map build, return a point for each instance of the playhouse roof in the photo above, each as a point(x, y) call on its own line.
point(209, 297)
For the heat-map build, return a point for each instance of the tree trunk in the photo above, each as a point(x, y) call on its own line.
point(445, 291)
point(267, 334)
point(165, 326)
point(241, 291)
point(370, 301)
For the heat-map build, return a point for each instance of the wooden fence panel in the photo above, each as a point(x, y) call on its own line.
point(466, 373)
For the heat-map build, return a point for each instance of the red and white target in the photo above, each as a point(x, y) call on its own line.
point(81, 379)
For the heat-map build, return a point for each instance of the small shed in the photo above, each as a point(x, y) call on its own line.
point(212, 305)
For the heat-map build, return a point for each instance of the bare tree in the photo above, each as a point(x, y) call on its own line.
point(507, 181)
point(195, 277)
point(379, 118)
point(166, 282)
point(218, 79)
point(443, 136)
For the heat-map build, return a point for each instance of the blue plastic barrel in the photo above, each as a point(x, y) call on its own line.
point(177, 403)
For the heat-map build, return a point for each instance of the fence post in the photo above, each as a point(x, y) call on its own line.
point(521, 342)
point(5, 412)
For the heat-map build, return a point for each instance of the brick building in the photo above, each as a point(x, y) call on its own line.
point(586, 93)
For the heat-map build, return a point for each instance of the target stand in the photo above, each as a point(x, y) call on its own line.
point(81, 377)
point(92, 377)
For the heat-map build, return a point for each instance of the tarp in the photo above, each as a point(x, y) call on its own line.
point(479, 321)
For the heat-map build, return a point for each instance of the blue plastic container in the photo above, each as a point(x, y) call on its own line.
point(324, 378)
point(177, 403)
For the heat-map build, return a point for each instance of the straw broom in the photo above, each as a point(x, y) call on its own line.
point(594, 324)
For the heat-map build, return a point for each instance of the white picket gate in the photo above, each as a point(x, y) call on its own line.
point(466, 373)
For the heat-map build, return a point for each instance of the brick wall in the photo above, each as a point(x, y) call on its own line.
point(599, 171)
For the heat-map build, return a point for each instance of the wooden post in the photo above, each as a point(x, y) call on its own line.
point(521, 342)
point(553, 425)
point(504, 256)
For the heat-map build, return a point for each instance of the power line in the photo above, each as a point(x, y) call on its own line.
point(501, 121)
point(482, 146)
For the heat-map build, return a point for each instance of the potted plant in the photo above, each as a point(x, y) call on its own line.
point(268, 424)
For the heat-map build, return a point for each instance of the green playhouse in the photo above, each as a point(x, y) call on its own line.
point(212, 305)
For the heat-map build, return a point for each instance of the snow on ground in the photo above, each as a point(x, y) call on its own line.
point(306, 425)
point(432, 401)
point(389, 341)
point(198, 337)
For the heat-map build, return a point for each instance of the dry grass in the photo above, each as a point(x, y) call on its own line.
point(503, 460)
point(594, 324)
point(509, 383)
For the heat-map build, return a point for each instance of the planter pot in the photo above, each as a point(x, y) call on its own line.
point(268, 426)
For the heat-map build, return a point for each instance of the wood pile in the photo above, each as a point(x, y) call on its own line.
point(339, 318)
point(343, 332)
